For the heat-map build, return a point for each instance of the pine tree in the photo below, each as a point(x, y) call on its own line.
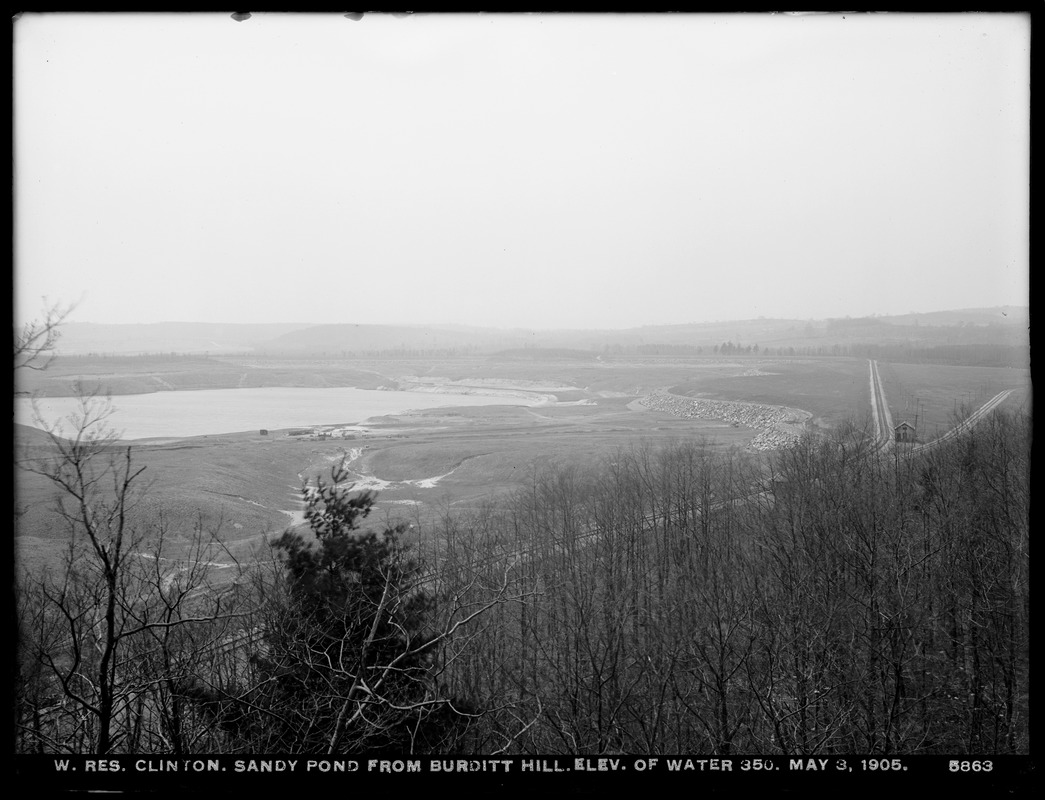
point(347, 655)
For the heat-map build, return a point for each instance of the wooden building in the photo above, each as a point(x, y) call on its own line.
point(904, 432)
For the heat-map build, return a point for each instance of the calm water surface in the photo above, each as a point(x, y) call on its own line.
point(212, 411)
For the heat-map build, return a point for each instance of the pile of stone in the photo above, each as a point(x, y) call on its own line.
point(777, 437)
point(778, 426)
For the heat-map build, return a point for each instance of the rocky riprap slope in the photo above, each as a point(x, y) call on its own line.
point(778, 426)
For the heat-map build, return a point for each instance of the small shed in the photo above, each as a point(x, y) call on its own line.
point(904, 432)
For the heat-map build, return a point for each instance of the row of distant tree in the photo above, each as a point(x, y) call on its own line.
point(980, 355)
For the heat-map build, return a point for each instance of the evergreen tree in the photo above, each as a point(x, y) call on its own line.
point(345, 658)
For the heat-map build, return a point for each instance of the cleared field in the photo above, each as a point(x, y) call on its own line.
point(831, 389)
point(227, 483)
point(934, 398)
point(475, 458)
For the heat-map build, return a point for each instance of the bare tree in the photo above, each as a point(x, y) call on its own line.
point(107, 634)
point(35, 341)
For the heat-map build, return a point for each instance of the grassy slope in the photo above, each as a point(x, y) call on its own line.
point(232, 484)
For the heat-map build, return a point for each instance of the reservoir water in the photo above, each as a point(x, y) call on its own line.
point(212, 411)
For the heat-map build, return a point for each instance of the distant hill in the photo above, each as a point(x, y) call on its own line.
point(357, 339)
point(26, 436)
point(999, 315)
point(1005, 326)
point(79, 338)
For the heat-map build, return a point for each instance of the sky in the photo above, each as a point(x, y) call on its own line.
point(509, 170)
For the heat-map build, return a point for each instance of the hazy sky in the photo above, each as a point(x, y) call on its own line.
point(519, 170)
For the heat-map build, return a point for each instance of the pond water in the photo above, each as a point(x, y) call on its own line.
point(213, 411)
